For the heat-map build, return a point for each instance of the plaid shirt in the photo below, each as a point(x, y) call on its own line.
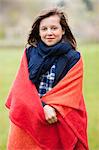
point(46, 81)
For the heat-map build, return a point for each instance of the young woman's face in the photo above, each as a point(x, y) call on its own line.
point(50, 30)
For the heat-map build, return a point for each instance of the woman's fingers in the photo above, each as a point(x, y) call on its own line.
point(50, 114)
point(52, 120)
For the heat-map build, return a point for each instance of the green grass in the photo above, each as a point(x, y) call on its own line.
point(10, 59)
point(91, 92)
point(8, 66)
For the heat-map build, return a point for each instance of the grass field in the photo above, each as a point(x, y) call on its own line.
point(9, 62)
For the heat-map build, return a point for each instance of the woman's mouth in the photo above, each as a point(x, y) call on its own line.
point(50, 38)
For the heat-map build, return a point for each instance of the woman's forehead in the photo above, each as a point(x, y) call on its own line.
point(54, 19)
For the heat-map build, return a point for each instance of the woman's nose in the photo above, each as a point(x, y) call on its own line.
point(49, 32)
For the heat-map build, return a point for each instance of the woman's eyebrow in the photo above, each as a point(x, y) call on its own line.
point(53, 25)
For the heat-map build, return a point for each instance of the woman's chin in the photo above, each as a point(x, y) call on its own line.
point(50, 43)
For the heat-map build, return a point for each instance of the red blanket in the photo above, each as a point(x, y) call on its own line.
point(26, 110)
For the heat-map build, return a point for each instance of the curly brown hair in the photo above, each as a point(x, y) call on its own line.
point(34, 37)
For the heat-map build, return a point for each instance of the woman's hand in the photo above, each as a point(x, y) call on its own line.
point(50, 114)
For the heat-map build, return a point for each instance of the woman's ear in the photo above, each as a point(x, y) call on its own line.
point(63, 32)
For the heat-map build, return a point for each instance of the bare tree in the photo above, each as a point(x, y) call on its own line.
point(89, 4)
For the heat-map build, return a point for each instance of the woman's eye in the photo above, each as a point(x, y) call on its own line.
point(54, 28)
point(43, 29)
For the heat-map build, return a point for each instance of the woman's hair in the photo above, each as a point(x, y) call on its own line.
point(34, 36)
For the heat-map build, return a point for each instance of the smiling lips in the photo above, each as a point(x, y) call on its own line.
point(50, 38)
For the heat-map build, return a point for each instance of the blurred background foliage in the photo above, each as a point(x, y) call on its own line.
point(16, 18)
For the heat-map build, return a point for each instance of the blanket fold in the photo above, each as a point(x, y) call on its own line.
point(66, 97)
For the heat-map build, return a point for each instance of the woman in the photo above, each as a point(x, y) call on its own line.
point(47, 110)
